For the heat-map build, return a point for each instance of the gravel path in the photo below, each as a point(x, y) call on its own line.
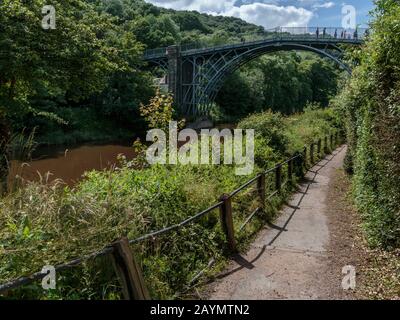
point(293, 258)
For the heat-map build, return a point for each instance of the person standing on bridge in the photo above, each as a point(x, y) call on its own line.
point(324, 33)
point(356, 34)
point(335, 34)
point(342, 35)
point(317, 33)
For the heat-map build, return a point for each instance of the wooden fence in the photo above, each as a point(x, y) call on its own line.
point(125, 262)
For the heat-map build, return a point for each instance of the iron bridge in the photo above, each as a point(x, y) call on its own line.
point(196, 73)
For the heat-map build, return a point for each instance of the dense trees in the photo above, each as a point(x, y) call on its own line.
point(85, 79)
point(90, 60)
point(44, 69)
point(157, 27)
point(284, 82)
point(73, 60)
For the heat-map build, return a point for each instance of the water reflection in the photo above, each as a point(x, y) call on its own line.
point(69, 164)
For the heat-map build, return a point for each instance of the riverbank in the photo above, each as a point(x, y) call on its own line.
point(86, 130)
point(127, 202)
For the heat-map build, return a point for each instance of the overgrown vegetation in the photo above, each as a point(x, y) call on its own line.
point(87, 84)
point(283, 82)
point(69, 80)
point(370, 105)
point(49, 224)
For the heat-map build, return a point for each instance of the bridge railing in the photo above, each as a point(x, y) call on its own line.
point(155, 52)
point(322, 34)
point(125, 262)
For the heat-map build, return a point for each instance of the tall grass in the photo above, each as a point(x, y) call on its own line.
point(18, 146)
point(44, 224)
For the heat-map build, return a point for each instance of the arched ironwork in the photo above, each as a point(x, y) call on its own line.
point(199, 72)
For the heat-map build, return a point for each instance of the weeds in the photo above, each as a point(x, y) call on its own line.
point(43, 224)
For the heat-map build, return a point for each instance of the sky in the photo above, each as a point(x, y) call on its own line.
point(274, 13)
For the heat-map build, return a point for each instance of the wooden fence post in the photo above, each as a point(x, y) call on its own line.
point(326, 149)
point(290, 171)
point(129, 271)
point(319, 146)
point(278, 177)
point(305, 157)
point(312, 153)
point(261, 189)
point(227, 221)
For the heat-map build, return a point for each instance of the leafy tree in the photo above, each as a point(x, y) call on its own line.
point(68, 64)
point(73, 58)
point(156, 31)
point(189, 21)
point(284, 82)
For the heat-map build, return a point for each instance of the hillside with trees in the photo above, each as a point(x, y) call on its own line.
point(44, 88)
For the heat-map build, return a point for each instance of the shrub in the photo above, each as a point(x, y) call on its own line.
point(50, 224)
point(269, 127)
point(370, 107)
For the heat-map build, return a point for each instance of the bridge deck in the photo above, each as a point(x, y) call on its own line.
point(329, 38)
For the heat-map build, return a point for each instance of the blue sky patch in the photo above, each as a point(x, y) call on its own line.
point(274, 13)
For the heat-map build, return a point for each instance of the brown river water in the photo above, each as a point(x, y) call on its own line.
point(68, 164)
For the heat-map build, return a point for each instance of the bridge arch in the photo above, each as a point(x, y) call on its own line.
point(210, 91)
point(196, 74)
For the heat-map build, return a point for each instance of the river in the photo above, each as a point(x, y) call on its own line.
point(69, 163)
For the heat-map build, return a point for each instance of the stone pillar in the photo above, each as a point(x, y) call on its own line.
point(174, 73)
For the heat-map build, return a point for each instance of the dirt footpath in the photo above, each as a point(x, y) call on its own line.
point(300, 255)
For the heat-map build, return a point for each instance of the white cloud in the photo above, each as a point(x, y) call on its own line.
point(205, 6)
point(271, 16)
point(326, 5)
point(266, 13)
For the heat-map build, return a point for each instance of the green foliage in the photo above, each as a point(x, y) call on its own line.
point(371, 109)
point(49, 224)
point(158, 113)
point(284, 82)
point(270, 134)
point(97, 65)
point(73, 58)
point(279, 137)
point(308, 127)
point(157, 27)
point(89, 61)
